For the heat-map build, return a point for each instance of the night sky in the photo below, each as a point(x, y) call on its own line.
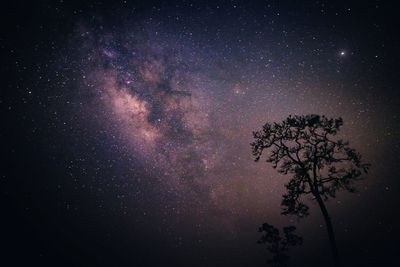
point(126, 129)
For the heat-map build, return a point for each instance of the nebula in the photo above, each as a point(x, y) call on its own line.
point(187, 113)
point(165, 111)
point(127, 128)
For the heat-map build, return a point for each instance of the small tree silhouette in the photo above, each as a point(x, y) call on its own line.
point(320, 164)
point(278, 245)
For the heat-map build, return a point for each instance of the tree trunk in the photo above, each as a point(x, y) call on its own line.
point(329, 228)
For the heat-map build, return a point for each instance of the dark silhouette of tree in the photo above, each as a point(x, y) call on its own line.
point(278, 245)
point(306, 147)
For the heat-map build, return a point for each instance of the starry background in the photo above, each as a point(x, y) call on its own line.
point(126, 128)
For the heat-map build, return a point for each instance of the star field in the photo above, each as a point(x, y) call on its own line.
point(134, 122)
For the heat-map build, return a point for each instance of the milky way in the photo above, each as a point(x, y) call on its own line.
point(187, 113)
point(139, 116)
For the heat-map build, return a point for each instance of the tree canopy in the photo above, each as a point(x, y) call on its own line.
point(279, 245)
point(307, 147)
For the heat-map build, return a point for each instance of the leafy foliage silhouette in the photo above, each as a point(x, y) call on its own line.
point(278, 245)
point(306, 147)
